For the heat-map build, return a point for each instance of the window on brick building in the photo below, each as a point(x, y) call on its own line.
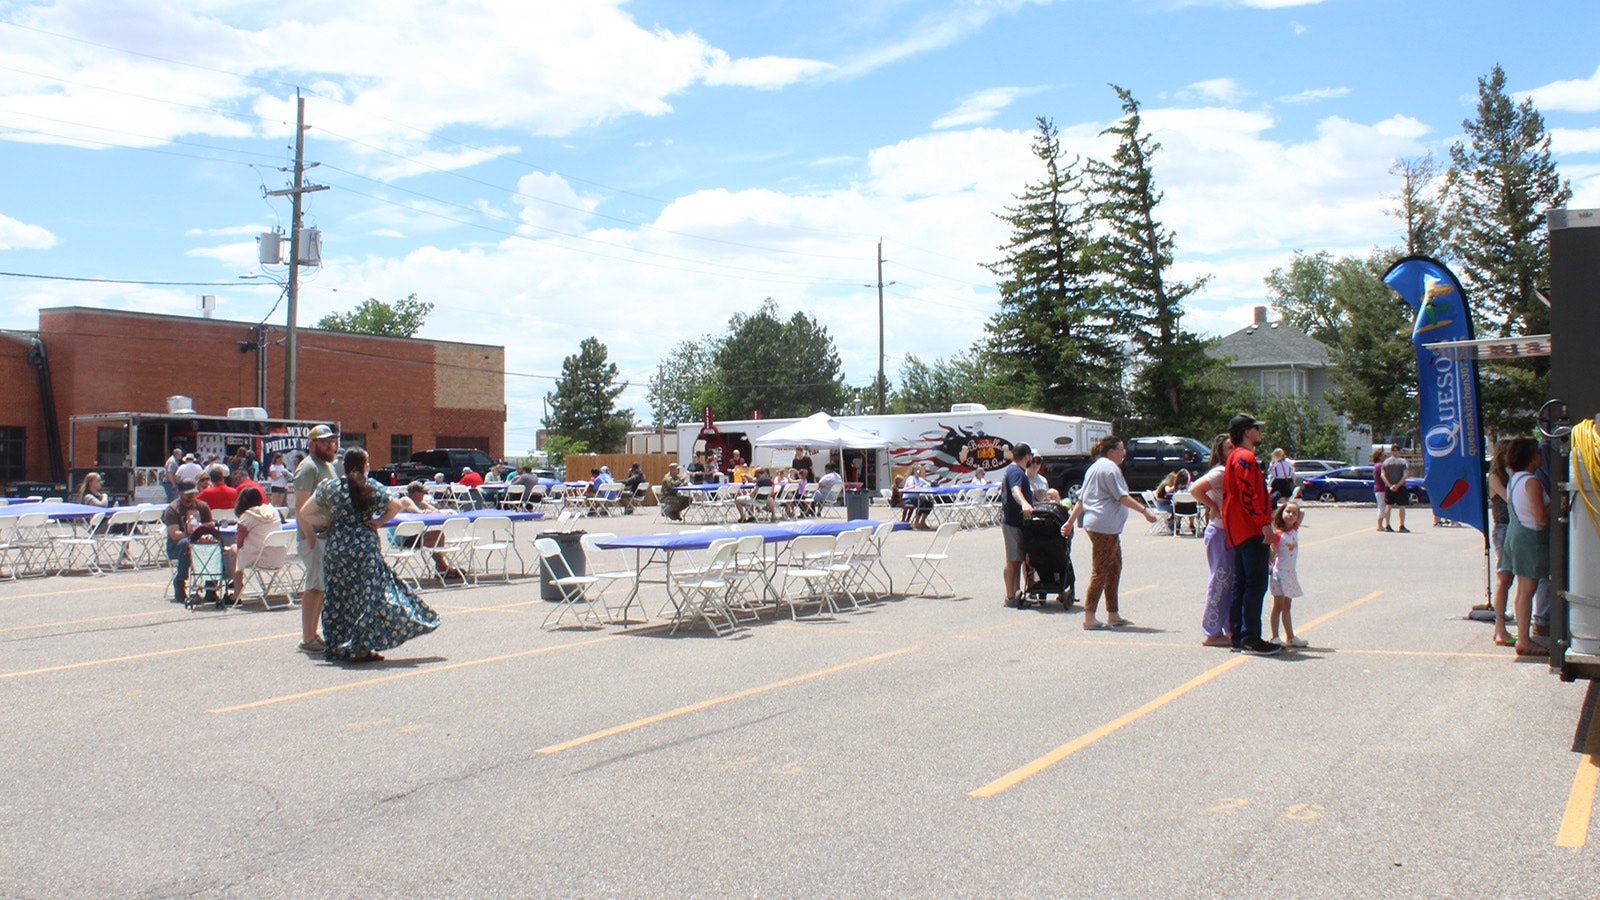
point(12, 445)
point(351, 439)
point(399, 448)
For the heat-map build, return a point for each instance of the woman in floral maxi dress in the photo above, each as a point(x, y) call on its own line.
point(366, 608)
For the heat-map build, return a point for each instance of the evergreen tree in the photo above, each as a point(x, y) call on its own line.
point(1134, 258)
point(1054, 340)
point(1501, 183)
point(583, 405)
point(781, 369)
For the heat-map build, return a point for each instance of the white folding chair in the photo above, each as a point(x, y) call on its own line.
point(492, 536)
point(843, 566)
point(269, 571)
point(406, 555)
point(872, 573)
point(925, 565)
point(512, 498)
point(750, 582)
point(605, 499)
point(120, 542)
point(609, 567)
point(455, 547)
point(34, 542)
point(1163, 522)
point(574, 589)
point(152, 538)
point(9, 551)
point(807, 576)
point(706, 597)
point(69, 549)
point(462, 495)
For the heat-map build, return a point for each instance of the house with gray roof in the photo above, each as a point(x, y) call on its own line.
point(1279, 359)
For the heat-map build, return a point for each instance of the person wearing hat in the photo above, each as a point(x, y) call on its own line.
point(673, 503)
point(316, 468)
point(169, 474)
point(189, 469)
point(1247, 517)
point(182, 516)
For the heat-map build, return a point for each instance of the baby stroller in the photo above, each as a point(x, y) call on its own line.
point(1050, 558)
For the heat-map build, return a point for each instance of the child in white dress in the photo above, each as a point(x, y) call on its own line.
point(1282, 581)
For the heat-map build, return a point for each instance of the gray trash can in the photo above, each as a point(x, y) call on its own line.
point(858, 504)
point(571, 544)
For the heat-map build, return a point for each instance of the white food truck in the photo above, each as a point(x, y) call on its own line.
point(956, 445)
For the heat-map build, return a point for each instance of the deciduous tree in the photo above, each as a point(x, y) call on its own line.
point(402, 318)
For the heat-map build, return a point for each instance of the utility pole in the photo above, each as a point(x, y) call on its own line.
point(883, 385)
point(291, 344)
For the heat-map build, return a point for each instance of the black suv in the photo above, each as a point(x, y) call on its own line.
point(425, 464)
point(1151, 459)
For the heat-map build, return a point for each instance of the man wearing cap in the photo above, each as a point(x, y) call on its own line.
point(672, 502)
point(316, 468)
point(182, 516)
point(1247, 519)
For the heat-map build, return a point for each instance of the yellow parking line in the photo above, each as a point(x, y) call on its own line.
point(94, 590)
point(726, 698)
point(430, 670)
point(153, 653)
point(1017, 776)
point(1574, 831)
point(70, 622)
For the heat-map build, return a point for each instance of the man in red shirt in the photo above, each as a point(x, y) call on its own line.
point(470, 478)
point(1247, 518)
point(219, 495)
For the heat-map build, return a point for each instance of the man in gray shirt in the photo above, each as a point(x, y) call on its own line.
point(1393, 473)
point(312, 471)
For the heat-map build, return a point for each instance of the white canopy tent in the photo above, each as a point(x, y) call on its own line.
point(823, 432)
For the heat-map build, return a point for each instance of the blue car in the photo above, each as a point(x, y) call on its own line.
point(1353, 484)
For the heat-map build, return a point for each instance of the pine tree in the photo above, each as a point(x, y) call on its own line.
point(1173, 384)
point(1417, 205)
point(1501, 183)
point(583, 405)
point(1054, 338)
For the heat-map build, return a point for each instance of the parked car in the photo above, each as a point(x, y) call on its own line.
point(1151, 459)
point(1353, 484)
point(1305, 468)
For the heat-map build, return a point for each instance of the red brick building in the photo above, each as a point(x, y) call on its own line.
point(391, 395)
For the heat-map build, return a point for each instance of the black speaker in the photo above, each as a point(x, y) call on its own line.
point(1575, 310)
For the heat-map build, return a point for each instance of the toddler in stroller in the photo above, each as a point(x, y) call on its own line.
point(1049, 557)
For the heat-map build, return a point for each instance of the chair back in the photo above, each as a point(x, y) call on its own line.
point(492, 529)
point(812, 548)
point(455, 527)
point(274, 551)
point(1184, 504)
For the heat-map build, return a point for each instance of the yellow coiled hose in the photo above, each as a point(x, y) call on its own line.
point(1586, 448)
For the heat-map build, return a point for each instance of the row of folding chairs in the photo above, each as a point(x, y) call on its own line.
point(731, 582)
point(973, 507)
point(31, 543)
point(473, 549)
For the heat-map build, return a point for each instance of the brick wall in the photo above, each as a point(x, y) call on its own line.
point(107, 361)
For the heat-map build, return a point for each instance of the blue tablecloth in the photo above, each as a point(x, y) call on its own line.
point(700, 540)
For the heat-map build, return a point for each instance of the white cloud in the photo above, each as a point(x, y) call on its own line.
point(557, 67)
point(933, 31)
point(1214, 90)
point(765, 73)
point(980, 107)
point(1575, 140)
point(16, 235)
point(1575, 95)
point(418, 162)
point(1314, 95)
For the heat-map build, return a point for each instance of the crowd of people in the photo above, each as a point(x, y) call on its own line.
point(1251, 537)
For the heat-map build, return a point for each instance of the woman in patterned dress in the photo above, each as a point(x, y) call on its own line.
point(366, 608)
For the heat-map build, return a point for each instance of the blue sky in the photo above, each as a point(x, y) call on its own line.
point(641, 171)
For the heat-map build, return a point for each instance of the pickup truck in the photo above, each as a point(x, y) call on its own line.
point(425, 464)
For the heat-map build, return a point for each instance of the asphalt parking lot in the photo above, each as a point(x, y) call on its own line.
point(924, 746)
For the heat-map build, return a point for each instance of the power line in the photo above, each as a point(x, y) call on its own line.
point(131, 281)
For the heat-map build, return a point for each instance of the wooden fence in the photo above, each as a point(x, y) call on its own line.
point(653, 464)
